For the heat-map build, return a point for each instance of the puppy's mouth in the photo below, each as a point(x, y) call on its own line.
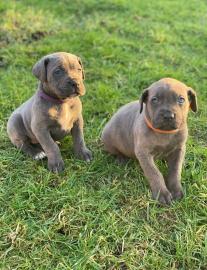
point(165, 125)
point(69, 92)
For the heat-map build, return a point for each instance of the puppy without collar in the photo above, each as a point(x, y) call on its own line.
point(54, 111)
point(154, 127)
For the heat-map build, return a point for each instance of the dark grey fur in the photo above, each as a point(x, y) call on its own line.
point(128, 135)
point(35, 126)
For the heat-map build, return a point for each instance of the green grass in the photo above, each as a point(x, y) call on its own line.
point(100, 215)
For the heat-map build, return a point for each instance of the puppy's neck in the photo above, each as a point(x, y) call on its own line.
point(149, 124)
point(43, 93)
point(46, 97)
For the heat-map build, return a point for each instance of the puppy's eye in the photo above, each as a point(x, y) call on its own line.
point(154, 100)
point(58, 71)
point(79, 69)
point(181, 100)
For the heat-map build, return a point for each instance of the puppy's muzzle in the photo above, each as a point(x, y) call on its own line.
point(166, 120)
point(71, 88)
point(75, 87)
point(71, 84)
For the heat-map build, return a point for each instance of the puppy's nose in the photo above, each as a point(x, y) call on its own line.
point(168, 115)
point(73, 83)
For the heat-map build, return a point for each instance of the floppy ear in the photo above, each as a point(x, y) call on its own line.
point(143, 98)
point(193, 100)
point(40, 69)
point(83, 73)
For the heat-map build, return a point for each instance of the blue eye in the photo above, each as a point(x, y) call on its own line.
point(181, 100)
point(154, 100)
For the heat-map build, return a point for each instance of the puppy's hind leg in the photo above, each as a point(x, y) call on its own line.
point(18, 136)
point(120, 158)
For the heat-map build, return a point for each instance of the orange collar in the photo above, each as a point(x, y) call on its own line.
point(149, 124)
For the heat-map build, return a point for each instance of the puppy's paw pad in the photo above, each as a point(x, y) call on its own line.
point(56, 167)
point(164, 197)
point(177, 195)
point(39, 156)
point(85, 155)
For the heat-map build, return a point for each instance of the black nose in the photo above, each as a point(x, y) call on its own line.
point(72, 83)
point(168, 115)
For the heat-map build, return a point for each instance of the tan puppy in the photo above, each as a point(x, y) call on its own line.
point(52, 112)
point(155, 127)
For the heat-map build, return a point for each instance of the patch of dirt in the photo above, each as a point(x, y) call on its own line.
point(38, 35)
point(3, 62)
point(6, 39)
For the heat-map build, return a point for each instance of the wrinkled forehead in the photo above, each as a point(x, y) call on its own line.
point(64, 60)
point(166, 88)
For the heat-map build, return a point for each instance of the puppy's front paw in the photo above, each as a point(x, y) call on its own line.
point(56, 166)
point(84, 154)
point(163, 196)
point(177, 194)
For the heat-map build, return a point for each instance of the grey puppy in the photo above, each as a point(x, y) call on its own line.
point(155, 127)
point(54, 111)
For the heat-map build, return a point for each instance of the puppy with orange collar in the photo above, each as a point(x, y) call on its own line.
point(154, 127)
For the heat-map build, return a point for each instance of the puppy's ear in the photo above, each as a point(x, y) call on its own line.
point(193, 100)
point(40, 69)
point(83, 73)
point(143, 98)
